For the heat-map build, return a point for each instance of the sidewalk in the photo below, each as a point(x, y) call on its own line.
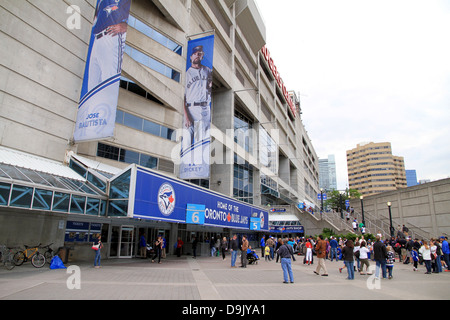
point(211, 278)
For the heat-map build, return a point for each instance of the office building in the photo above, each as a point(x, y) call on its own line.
point(327, 173)
point(373, 169)
point(411, 178)
point(68, 173)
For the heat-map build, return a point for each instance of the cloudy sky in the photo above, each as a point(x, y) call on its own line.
point(368, 71)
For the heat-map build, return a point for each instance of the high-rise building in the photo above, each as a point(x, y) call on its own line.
point(373, 169)
point(411, 178)
point(327, 173)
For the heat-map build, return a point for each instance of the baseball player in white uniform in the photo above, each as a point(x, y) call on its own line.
point(197, 120)
point(109, 29)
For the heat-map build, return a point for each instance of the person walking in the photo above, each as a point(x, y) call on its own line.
point(446, 252)
point(194, 247)
point(179, 246)
point(390, 260)
point(333, 248)
point(262, 244)
point(364, 258)
point(234, 247)
point(285, 252)
point(321, 247)
point(143, 246)
point(308, 257)
point(380, 255)
point(347, 254)
point(425, 251)
point(98, 255)
point(224, 247)
point(244, 248)
point(158, 249)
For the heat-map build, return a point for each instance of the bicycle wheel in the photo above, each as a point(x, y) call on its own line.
point(8, 262)
point(48, 256)
point(38, 260)
point(19, 258)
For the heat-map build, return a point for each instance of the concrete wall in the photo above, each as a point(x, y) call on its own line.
point(425, 207)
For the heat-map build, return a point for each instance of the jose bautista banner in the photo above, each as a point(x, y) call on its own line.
point(99, 93)
point(161, 198)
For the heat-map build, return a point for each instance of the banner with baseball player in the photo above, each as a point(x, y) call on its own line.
point(100, 91)
point(196, 139)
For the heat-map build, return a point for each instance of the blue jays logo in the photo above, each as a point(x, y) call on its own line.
point(111, 8)
point(166, 199)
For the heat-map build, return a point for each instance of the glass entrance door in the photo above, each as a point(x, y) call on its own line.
point(122, 242)
point(126, 242)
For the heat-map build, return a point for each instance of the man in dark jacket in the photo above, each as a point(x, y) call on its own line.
point(234, 247)
point(380, 255)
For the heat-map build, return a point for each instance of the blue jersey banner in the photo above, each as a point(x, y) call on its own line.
point(196, 138)
point(160, 198)
point(100, 91)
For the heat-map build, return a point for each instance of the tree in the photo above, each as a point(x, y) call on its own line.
point(336, 199)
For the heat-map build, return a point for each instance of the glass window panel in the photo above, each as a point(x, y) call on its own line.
point(148, 161)
point(61, 202)
point(129, 156)
point(120, 186)
point(119, 115)
point(77, 204)
point(108, 152)
point(92, 206)
point(118, 208)
point(42, 199)
point(100, 184)
point(151, 127)
point(78, 168)
point(21, 196)
point(132, 121)
point(5, 188)
point(103, 206)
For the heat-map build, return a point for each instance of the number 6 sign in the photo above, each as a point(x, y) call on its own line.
point(195, 214)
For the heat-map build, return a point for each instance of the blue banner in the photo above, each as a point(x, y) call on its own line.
point(100, 90)
point(160, 198)
point(196, 140)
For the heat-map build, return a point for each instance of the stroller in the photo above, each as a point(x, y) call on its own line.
point(252, 257)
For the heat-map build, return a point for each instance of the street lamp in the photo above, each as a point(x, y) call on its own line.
point(389, 204)
point(321, 199)
point(340, 204)
point(362, 210)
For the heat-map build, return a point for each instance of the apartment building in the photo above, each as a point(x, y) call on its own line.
point(373, 169)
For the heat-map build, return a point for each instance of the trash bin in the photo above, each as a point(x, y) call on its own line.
point(64, 254)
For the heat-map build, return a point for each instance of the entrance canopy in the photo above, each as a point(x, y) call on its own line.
point(157, 197)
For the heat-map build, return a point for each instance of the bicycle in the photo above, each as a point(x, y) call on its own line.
point(49, 254)
point(30, 253)
point(6, 257)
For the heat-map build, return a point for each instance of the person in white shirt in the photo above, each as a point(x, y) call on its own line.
point(364, 258)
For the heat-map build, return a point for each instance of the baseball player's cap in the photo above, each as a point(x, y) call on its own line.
point(197, 49)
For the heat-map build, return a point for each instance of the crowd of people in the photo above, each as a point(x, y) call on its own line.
point(359, 254)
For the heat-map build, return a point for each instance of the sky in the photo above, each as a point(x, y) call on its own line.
point(368, 71)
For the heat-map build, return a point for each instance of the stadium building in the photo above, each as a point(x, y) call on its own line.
point(154, 117)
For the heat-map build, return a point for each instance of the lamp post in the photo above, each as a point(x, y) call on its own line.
point(389, 204)
point(362, 210)
point(321, 199)
point(340, 204)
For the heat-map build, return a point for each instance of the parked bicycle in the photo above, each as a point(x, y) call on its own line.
point(30, 253)
point(49, 253)
point(7, 257)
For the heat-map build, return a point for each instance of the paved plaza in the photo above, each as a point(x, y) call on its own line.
point(211, 278)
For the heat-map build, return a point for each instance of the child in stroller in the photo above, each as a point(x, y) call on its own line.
point(252, 257)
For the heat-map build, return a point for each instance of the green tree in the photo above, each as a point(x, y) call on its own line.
point(336, 199)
